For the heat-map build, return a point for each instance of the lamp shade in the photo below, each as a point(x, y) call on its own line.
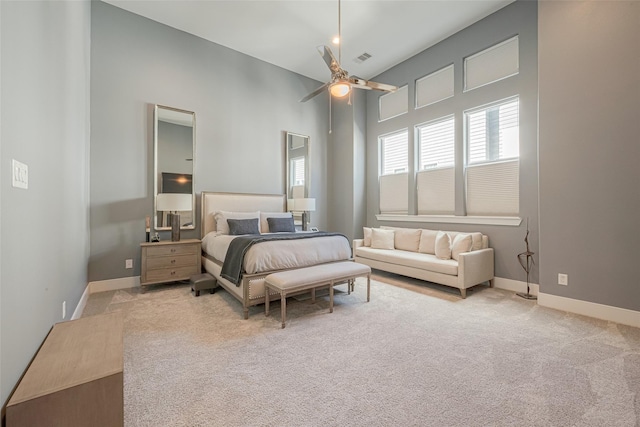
point(305, 204)
point(174, 202)
point(339, 89)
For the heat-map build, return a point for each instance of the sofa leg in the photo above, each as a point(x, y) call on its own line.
point(463, 292)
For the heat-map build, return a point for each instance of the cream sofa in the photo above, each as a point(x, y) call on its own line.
point(460, 260)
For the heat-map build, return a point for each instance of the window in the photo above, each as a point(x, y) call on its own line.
point(492, 173)
point(436, 177)
point(394, 176)
point(435, 87)
point(393, 104)
point(395, 153)
point(297, 166)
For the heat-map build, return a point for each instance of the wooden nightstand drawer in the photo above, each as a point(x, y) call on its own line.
point(171, 250)
point(171, 274)
point(171, 261)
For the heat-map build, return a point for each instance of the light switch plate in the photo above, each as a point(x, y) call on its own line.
point(20, 174)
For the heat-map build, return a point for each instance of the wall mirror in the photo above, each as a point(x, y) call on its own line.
point(174, 148)
point(297, 173)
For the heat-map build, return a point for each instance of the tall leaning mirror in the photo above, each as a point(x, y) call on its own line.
point(174, 148)
point(297, 173)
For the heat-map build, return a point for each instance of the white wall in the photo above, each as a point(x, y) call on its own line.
point(45, 124)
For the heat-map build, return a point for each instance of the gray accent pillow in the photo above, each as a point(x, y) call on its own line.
point(281, 225)
point(243, 226)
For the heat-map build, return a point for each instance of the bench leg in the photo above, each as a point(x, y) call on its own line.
point(368, 287)
point(266, 301)
point(349, 286)
point(313, 295)
point(283, 308)
point(331, 297)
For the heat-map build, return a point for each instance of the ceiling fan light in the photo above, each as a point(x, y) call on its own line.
point(339, 89)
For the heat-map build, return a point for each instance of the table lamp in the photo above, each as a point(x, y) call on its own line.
point(174, 203)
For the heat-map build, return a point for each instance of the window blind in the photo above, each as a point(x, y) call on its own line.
point(436, 191)
point(298, 171)
point(493, 133)
point(492, 64)
point(394, 195)
point(434, 87)
point(394, 104)
point(493, 189)
point(436, 142)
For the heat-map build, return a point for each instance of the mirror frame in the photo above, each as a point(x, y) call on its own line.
point(156, 109)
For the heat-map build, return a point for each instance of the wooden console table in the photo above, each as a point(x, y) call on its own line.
point(76, 377)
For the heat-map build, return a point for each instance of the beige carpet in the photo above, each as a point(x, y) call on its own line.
point(416, 355)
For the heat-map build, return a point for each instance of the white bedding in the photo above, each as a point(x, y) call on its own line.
point(281, 254)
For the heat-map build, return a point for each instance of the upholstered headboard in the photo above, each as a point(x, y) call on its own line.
point(237, 202)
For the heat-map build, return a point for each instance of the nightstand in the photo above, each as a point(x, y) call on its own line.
point(164, 262)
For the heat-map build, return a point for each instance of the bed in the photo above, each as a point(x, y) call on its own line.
point(263, 257)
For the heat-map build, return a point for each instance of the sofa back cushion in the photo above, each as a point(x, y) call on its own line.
point(382, 239)
point(428, 242)
point(443, 245)
point(406, 239)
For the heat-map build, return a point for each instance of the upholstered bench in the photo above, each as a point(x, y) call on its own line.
point(289, 282)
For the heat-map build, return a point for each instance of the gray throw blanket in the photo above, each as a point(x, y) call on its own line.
point(232, 266)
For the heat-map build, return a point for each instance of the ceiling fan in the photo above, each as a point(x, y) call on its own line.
point(341, 83)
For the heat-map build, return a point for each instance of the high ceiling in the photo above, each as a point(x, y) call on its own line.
point(286, 33)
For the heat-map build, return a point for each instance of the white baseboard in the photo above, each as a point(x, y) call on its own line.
point(515, 285)
point(591, 309)
point(77, 313)
point(114, 284)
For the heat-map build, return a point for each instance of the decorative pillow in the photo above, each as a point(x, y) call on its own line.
point(264, 225)
point(281, 225)
point(221, 217)
point(428, 242)
point(476, 241)
point(461, 243)
point(382, 239)
point(238, 227)
point(443, 245)
point(367, 235)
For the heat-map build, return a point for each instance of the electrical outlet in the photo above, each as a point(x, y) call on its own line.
point(563, 279)
point(64, 309)
point(128, 263)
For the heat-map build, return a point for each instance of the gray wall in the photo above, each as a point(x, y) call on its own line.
point(590, 150)
point(45, 124)
point(518, 18)
point(346, 177)
point(243, 107)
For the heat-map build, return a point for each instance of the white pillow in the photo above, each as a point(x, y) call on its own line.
point(367, 236)
point(382, 239)
point(222, 227)
point(264, 225)
point(443, 245)
point(461, 243)
point(476, 241)
point(428, 242)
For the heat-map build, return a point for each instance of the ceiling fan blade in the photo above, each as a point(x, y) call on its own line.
point(315, 92)
point(366, 84)
point(329, 59)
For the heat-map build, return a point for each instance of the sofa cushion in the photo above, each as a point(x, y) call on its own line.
point(476, 241)
point(410, 259)
point(367, 236)
point(461, 243)
point(428, 242)
point(443, 245)
point(406, 239)
point(382, 239)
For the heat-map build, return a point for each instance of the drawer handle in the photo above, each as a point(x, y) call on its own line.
point(173, 261)
point(173, 273)
point(173, 250)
